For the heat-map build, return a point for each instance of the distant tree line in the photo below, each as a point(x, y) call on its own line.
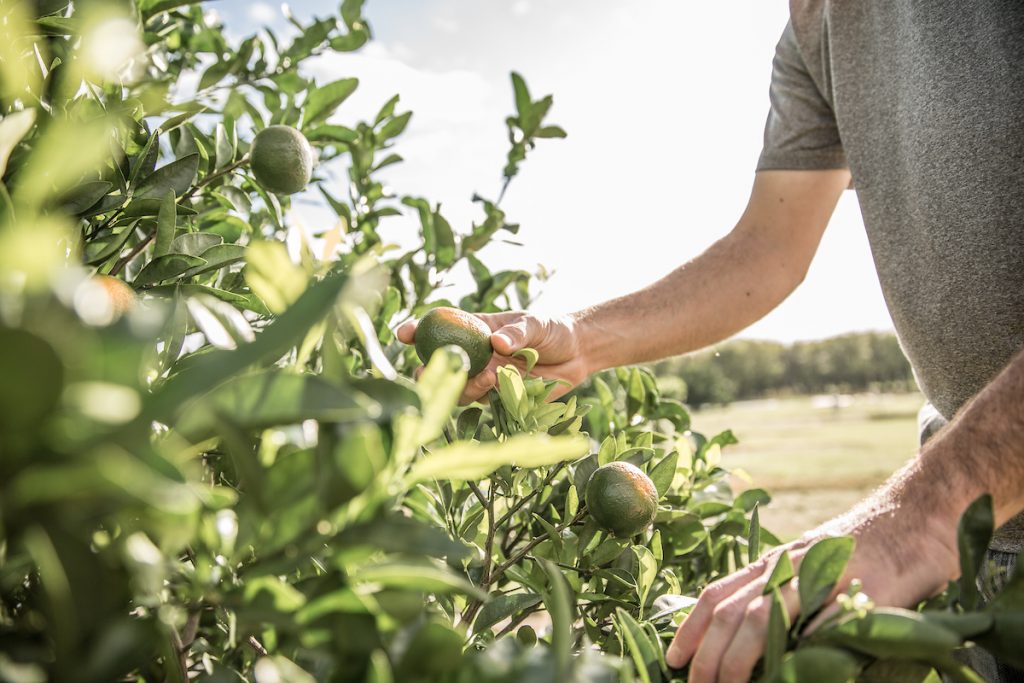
point(744, 369)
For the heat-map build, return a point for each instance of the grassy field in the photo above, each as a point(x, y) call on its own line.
point(815, 457)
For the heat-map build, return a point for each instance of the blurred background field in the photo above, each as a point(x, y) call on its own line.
point(816, 455)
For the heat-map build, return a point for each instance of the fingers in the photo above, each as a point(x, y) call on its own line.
point(406, 332)
point(697, 622)
point(515, 335)
point(478, 386)
point(747, 646)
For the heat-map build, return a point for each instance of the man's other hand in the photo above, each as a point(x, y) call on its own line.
point(901, 557)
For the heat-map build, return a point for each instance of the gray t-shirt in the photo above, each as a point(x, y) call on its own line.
point(924, 102)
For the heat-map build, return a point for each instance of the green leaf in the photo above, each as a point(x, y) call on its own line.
point(635, 393)
point(225, 147)
point(502, 607)
point(647, 572)
point(353, 40)
point(643, 653)
point(781, 574)
point(530, 356)
point(664, 472)
point(820, 665)
point(1007, 611)
point(400, 535)
point(33, 381)
point(559, 599)
point(439, 388)
point(820, 571)
point(891, 633)
point(777, 636)
point(332, 133)
point(352, 11)
point(466, 461)
point(13, 128)
point(165, 225)
point(217, 256)
point(281, 335)
point(468, 423)
point(386, 111)
point(444, 255)
point(322, 101)
point(84, 196)
point(151, 7)
point(343, 600)
point(274, 593)
point(278, 668)
point(522, 95)
point(215, 72)
point(176, 176)
point(422, 575)
point(166, 267)
point(273, 397)
point(434, 653)
point(194, 243)
point(754, 536)
point(550, 132)
point(394, 127)
point(973, 535)
point(272, 276)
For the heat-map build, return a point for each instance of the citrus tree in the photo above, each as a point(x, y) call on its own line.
point(215, 463)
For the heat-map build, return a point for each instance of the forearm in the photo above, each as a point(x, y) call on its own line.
point(734, 283)
point(980, 451)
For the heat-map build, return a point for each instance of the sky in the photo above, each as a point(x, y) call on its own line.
point(664, 103)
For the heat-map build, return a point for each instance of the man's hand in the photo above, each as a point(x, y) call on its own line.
point(898, 563)
point(556, 340)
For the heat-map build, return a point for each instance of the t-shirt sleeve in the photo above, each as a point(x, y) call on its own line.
point(801, 131)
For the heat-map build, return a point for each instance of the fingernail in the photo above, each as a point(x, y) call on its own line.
point(503, 338)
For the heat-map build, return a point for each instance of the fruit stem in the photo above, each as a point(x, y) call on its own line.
point(213, 176)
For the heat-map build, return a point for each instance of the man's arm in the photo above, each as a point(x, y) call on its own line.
point(733, 283)
point(906, 548)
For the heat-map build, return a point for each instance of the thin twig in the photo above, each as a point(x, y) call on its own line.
point(515, 622)
point(534, 542)
point(474, 606)
point(126, 259)
point(525, 499)
point(213, 176)
point(257, 645)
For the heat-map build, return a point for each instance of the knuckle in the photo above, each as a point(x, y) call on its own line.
point(729, 612)
point(714, 594)
point(759, 614)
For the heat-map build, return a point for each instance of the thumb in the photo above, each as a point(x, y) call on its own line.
point(514, 336)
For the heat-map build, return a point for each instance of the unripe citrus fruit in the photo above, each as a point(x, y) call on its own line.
point(443, 326)
point(281, 159)
point(122, 297)
point(621, 498)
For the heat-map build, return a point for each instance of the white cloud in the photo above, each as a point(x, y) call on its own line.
point(263, 13)
point(445, 24)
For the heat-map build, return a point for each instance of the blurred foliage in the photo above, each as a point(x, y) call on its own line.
point(214, 464)
point(745, 369)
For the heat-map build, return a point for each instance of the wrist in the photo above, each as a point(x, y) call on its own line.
point(591, 342)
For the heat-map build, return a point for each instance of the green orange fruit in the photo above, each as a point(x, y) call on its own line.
point(621, 498)
point(281, 159)
point(443, 326)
